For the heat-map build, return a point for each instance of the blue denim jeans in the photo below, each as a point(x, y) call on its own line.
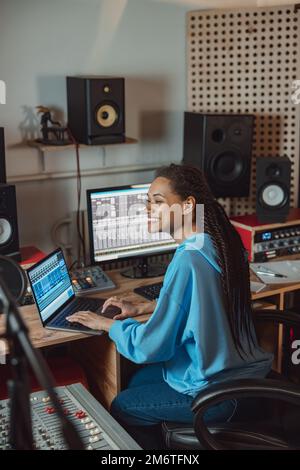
point(149, 400)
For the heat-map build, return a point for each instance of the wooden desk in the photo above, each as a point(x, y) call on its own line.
point(106, 370)
point(97, 355)
point(276, 294)
point(41, 337)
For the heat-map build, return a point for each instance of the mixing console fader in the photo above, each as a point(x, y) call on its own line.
point(97, 429)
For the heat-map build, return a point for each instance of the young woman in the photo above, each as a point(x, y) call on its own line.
point(201, 329)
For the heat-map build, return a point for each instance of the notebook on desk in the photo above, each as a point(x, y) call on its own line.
point(256, 287)
point(55, 297)
point(277, 272)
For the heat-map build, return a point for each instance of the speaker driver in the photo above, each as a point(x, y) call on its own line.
point(273, 196)
point(5, 231)
point(273, 171)
point(106, 115)
point(227, 167)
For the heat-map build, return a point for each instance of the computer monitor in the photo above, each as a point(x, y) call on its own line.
point(118, 229)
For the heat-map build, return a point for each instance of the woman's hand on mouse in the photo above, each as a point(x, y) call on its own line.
point(128, 309)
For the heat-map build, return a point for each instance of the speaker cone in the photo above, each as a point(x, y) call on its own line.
point(5, 231)
point(273, 196)
point(107, 115)
point(227, 167)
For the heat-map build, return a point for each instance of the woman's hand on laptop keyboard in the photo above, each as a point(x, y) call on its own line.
point(99, 322)
point(128, 309)
point(91, 320)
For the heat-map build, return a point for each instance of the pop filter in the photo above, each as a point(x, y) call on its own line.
point(14, 277)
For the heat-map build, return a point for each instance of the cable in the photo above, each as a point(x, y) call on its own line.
point(81, 246)
point(73, 264)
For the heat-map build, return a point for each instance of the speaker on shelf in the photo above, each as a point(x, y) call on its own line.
point(96, 109)
point(273, 178)
point(220, 145)
point(9, 236)
point(2, 157)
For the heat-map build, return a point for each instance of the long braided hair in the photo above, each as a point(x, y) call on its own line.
point(188, 181)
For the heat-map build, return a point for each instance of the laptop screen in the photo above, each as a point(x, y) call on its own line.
point(51, 284)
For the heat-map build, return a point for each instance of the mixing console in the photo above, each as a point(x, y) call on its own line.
point(97, 429)
point(90, 279)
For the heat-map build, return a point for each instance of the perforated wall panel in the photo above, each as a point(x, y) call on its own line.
point(245, 61)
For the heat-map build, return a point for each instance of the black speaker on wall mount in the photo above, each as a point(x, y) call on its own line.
point(2, 157)
point(220, 145)
point(273, 179)
point(9, 235)
point(96, 109)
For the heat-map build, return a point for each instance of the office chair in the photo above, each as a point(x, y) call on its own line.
point(268, 413)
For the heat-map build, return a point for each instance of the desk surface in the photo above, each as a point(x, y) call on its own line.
point(42, 337)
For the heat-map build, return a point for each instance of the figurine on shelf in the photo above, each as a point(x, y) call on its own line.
point(54, 134)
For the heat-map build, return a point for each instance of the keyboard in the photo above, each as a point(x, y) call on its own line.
point(95, 305)
point(150, 292)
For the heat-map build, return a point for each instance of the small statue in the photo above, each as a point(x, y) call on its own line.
point(52, 135)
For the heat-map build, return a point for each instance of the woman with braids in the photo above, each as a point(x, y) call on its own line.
point(200, 331)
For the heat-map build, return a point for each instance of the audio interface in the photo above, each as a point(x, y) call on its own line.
point(267, 241)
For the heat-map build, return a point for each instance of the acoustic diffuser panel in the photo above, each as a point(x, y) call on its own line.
point(246, 61)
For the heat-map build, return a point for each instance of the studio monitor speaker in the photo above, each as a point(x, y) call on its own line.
point(273, 177)
point(96, 109)
point(220, 145)
point(9, 236)
point(2, 157)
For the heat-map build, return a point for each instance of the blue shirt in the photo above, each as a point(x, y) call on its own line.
point(188, 330)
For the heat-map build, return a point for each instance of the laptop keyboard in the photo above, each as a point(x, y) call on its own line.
point(95, 305)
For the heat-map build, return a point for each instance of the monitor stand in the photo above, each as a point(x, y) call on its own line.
point(143, 269)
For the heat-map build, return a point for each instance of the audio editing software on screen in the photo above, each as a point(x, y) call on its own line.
point(120, 224)
point(51, 284)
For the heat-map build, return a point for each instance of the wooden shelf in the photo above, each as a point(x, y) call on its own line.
point(57, 148)
point(100, 171)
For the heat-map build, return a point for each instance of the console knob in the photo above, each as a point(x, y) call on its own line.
point(50, 410)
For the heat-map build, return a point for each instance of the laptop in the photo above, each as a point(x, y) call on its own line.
point(55, 298)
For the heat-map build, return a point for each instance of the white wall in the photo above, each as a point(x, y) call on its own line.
point(42, 41)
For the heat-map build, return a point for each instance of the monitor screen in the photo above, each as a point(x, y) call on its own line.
point(50, 284)
point(118, 224)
